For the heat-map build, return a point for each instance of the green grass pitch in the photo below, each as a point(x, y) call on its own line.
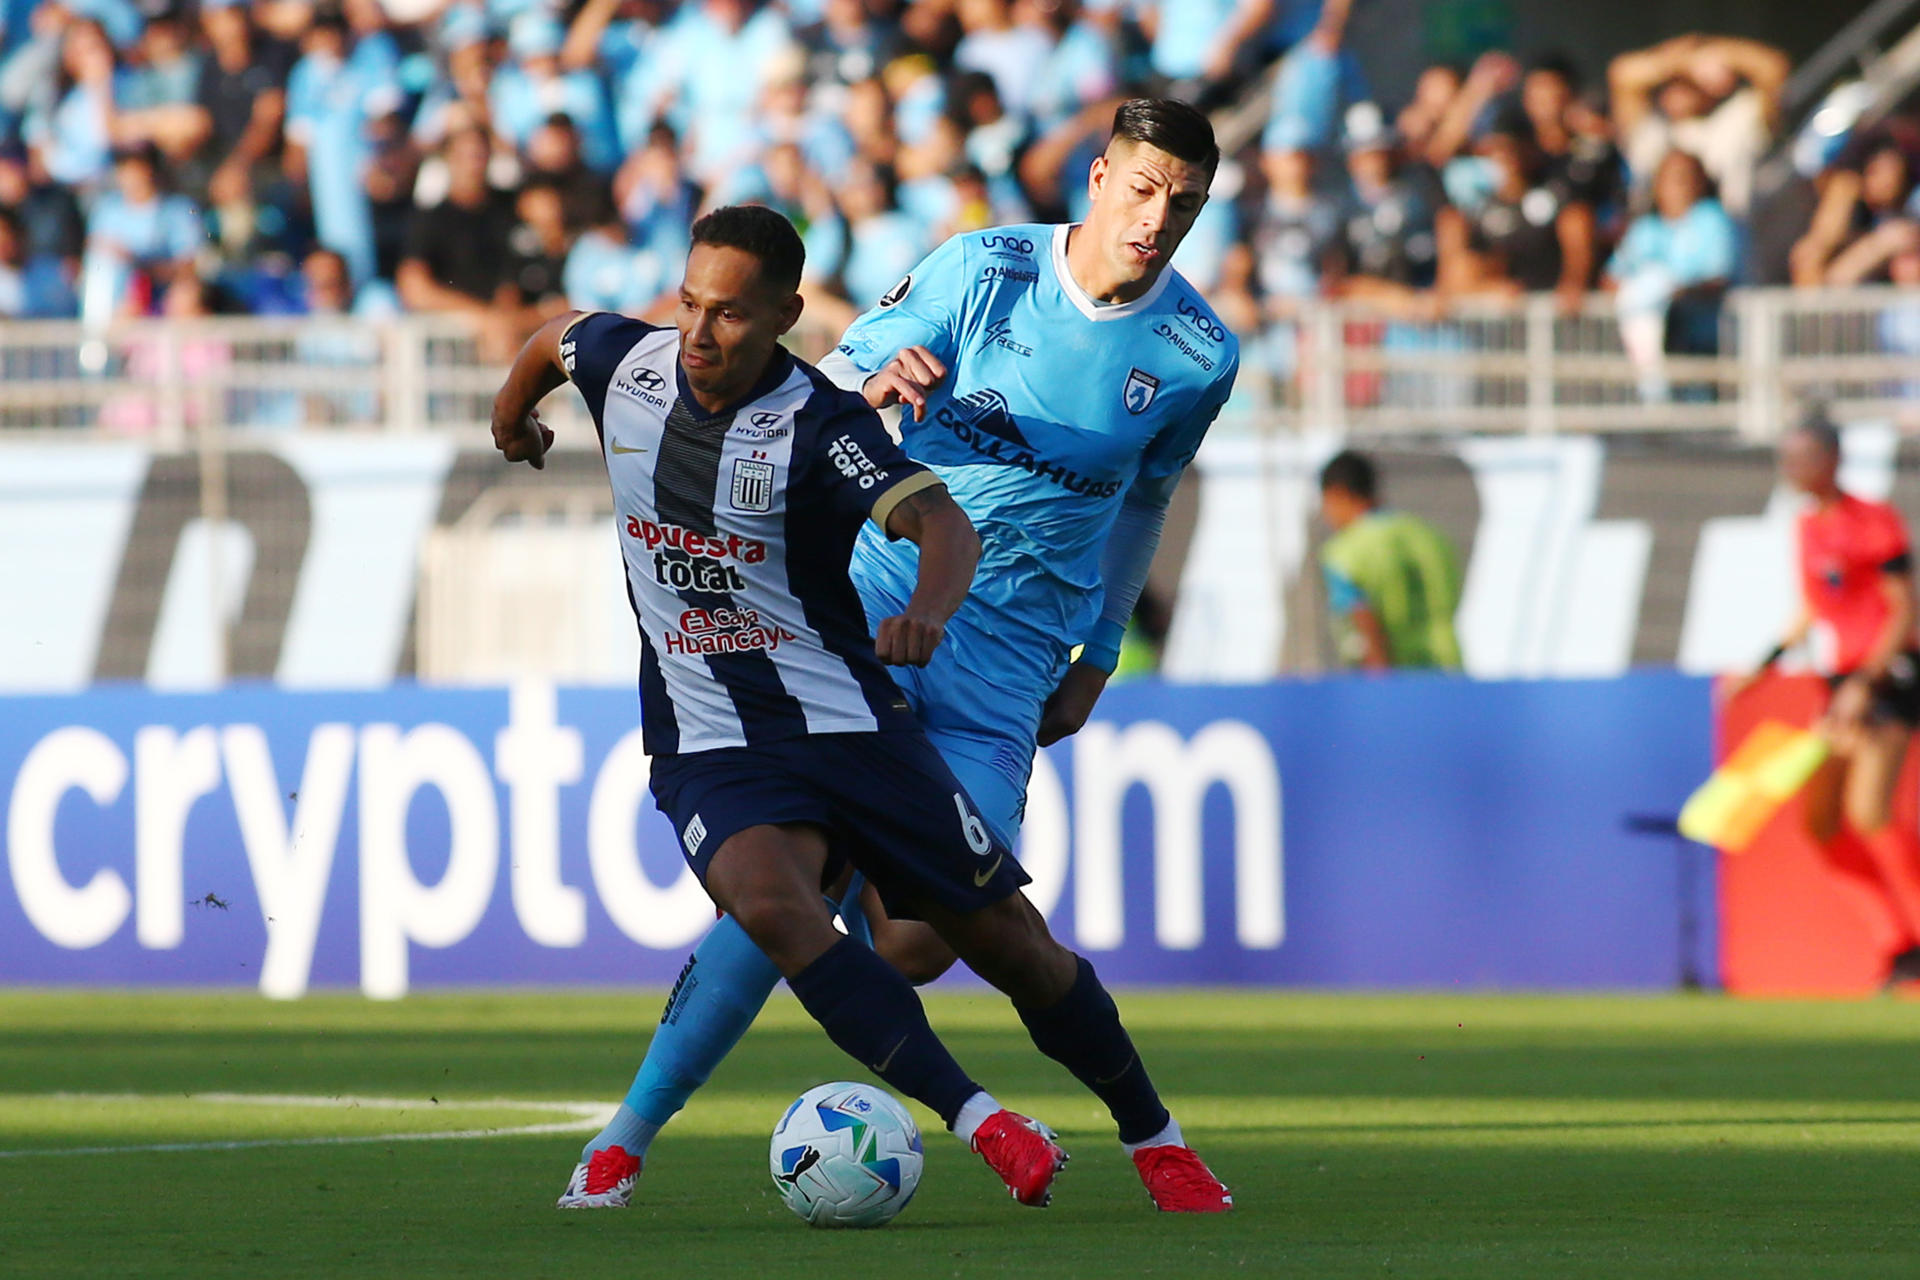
point(1466, 1136)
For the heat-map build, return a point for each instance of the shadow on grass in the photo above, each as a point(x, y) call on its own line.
point(1226, 1063)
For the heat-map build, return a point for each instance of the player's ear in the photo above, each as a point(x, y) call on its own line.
point(1097, 176)
point(790, 311)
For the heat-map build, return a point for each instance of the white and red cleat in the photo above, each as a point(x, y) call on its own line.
point(1179, 1182)
point(604, 1182)
point(1023, 1153)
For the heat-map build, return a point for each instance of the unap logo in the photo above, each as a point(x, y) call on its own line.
point(1191, 313)
point(1140, 390)
point(1016, 244)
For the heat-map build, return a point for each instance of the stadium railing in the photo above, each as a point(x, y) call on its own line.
point(1527, 367)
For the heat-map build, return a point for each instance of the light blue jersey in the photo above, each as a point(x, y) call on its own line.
point(1054, 407)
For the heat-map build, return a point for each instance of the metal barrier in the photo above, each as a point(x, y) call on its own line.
point(1742, 366)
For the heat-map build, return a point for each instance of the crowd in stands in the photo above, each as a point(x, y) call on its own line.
point(505, 159)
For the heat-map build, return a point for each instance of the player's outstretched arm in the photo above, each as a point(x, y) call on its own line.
point(949, 551)
point(517, 431)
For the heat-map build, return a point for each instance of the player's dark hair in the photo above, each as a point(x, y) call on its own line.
point(1352, 472)
point(1818, 427)
point(1170, 125)
point(758, 230)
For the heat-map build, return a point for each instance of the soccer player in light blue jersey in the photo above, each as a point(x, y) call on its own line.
point(1058, 379)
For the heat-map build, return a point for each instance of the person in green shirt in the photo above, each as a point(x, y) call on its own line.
point(1393, 580)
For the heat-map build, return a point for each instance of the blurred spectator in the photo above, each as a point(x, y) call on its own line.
point(1317, 80)
point(1387, 244)
point(1292, 239)
point(1513, 233)
point(241, 100)
point(532, 87)
point(1671, 271)
point(1715, 97)
point(330, 98)
point(540, 243)
point(32, 287)
point(73, 137)
point(1393, 580)
point(50, 217)
point(553, 156)
point(1008, 42)
point(1867, 203)
point(657, 200)
point(199, 357)
point(1494, 76)
point(882, 242)
point(330, 293)
point(847, 44)
point(1082, 66)
point(1581, 160)
point(1433, 93)
point(457, 255)
point(720, 54)
point(606, 273)
point(140, 239)
point(392, 166)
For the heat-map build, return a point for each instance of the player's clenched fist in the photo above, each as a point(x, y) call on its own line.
point(908, 640)
point(524, 439)
point(906, 379)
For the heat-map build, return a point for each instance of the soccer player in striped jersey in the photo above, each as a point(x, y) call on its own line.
point(1058, 379)
point(782, 751)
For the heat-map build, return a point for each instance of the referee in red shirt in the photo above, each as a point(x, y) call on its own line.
point(1856, 585)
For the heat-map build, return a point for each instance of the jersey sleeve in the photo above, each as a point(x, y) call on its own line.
point(592, 346)
point(859, 468)
point(1344, 595)
point(1168, 453)
point(1887, 542)
point(925, 309)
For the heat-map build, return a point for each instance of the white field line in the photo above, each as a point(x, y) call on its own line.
point(581, 1116)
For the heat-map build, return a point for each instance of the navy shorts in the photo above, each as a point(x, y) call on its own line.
point(887, 801)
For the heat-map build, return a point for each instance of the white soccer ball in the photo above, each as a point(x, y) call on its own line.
point(846, 1155)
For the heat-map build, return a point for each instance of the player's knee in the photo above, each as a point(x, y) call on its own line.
point(1011, 948)
point(918, 953)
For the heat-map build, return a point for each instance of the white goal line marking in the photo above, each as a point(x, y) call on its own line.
point(580, 1116)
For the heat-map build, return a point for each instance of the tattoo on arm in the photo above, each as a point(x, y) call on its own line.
point(910, 517)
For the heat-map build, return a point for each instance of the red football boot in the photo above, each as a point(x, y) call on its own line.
point(1179, 1182)
point(1024, 1156)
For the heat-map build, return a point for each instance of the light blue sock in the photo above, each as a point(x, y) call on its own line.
point(720, 992)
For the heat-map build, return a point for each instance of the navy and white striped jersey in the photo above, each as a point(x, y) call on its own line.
point(737, 528)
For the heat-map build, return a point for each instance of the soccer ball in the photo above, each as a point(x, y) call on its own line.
point(846, 1155)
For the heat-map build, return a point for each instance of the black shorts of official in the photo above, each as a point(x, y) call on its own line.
point(1896, 695)
point(887, 802)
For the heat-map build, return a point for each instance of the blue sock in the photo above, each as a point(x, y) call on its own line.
point(1082, 1033)
point(719, 994)
point(873, 1014)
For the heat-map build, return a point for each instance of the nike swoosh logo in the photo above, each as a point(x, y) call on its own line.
point(620, 448)
point(980, 878)
point(880, 1067)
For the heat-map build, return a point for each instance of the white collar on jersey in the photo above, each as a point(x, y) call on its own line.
point(1083, 300)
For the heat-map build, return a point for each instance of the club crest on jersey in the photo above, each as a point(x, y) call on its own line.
point(1140, 390)
point(894, 296)
point(752, 485)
